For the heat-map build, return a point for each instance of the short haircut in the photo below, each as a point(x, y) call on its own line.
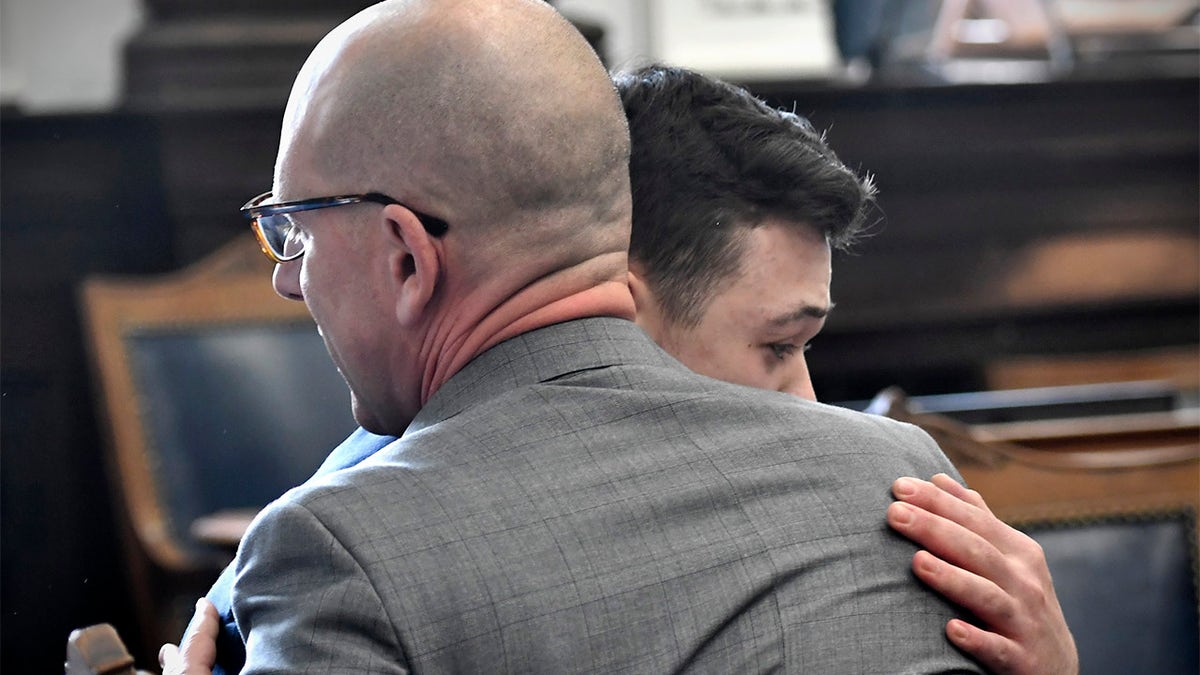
point(709, 162)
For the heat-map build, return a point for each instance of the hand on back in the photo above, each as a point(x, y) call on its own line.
point(994, 571)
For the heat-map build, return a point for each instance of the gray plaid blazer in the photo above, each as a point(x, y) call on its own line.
point(577, 501)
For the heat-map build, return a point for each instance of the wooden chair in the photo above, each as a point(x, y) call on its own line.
point(1113, 501)
point(217, 394)
point(98, 650)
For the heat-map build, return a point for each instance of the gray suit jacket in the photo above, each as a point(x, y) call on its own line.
point(575, 500)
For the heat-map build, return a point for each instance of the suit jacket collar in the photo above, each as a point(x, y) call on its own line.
point(540, 356)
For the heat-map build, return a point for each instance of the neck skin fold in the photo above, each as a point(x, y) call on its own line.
point(527, 310)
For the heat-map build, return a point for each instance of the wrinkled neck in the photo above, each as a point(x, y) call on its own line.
point(533, 307)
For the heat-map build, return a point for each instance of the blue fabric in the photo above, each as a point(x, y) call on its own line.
point(231, 650)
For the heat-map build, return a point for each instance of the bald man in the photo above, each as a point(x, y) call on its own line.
point(451, 202)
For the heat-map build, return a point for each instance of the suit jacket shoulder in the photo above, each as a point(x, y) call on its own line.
point(577, 501)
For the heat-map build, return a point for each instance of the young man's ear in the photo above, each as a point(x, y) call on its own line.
point(414, 262)
point(649, 312)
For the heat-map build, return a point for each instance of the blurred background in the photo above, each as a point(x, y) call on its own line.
point(1037, 226)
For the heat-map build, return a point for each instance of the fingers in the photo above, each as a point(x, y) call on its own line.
point(206, 622)
point(948, 540)
point(980, 595)
point(946, 512)
point(1014, 639)
point(945, 498)
point(959, 563)
point(994, 571)
point(197, 652)
point(168, 659)
point(958, 490)
point(994, 652)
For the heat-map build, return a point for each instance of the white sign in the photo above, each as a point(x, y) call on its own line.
point(746, 39)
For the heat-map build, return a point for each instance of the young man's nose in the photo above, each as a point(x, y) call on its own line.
point(798, 383)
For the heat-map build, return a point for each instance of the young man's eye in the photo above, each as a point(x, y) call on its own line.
point(782, 350)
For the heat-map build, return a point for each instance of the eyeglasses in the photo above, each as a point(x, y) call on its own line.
point(277, 233)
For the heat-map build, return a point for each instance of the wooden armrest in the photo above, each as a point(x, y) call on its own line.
point(98, 650)
point(224, 528)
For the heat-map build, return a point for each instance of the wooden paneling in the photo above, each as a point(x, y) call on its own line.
point(80, 196)
point(1019, 220)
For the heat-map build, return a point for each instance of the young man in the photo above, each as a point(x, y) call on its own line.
point(814, 278)
point(736, 206)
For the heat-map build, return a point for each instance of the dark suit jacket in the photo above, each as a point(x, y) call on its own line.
point(575, 500)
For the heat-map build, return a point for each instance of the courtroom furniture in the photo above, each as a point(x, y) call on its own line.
point(1112, 498)
point(216, 394)
point(1178, 365)
point(98, 650)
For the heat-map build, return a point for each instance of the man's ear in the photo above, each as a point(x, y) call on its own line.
point(415, 261)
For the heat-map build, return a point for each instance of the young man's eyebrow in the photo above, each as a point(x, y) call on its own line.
point(803, 312)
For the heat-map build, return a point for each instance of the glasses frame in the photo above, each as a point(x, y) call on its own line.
point(255, 210)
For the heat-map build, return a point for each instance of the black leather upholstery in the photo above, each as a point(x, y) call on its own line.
point(1128, 591)
point(236, 415)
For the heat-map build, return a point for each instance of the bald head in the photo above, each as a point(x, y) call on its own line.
point(485, 113)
